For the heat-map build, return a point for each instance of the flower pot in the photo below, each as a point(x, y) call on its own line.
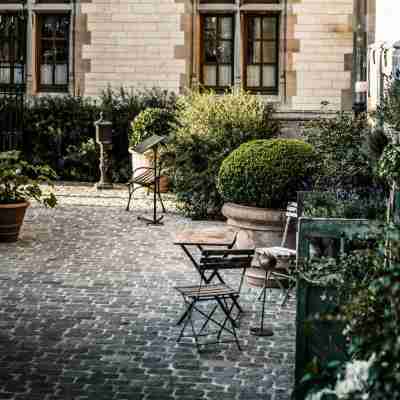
point(257, 227)
point(139, 160)
point(11, 218)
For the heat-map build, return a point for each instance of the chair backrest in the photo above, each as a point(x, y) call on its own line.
point(226, 259)
point(291, 213)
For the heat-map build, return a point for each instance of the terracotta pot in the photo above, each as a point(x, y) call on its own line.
point(164, 183)
point(11, 218)
point(257, 227)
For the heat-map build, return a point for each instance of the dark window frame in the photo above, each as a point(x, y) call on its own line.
point(11, 39)
point(217, 87)
point(53, 87)
point(273, 90)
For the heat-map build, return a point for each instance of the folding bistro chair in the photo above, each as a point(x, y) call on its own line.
point(220, 295)
point(276, 263)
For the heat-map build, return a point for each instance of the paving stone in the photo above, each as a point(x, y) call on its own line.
point(88, 312)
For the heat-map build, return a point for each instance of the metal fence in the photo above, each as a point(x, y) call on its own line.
point(12, 78)
point(11, 119)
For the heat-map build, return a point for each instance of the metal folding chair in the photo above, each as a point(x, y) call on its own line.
point(220, 295)
point(148, 177)
point(276, 262)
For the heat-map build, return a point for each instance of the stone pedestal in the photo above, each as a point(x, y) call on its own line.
point(105, 167)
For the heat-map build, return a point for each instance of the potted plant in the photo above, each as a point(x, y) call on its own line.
point(257, 180)
point(151, 121)
point(19, 182)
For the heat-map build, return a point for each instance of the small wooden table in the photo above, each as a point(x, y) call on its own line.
point(201, 238)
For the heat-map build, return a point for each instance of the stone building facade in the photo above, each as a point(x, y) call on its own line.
point(298, 54)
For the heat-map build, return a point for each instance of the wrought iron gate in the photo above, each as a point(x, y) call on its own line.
point(12, 79)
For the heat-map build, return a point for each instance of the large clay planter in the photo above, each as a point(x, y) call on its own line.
point(11, 218)
point(257, 227)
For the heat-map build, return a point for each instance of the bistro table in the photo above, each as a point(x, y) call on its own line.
point(191, 239)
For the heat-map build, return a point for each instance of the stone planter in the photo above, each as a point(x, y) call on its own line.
point(11, 218)
point(138, 160)
point(257, 227)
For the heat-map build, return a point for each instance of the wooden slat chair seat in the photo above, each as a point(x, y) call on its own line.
point(222, 296)
point(145, 179)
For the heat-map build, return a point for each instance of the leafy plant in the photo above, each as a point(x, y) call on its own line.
point(371, 205)
point(59, 129)
point(20, 180)
point(81, 162)
point(209, 127)
point(388, 109)
point(389, 163)
point(266, 173)
point(151, 121)
point(369, 287)
point(340, 142)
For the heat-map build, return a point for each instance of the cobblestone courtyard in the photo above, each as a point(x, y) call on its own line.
point(87, 311)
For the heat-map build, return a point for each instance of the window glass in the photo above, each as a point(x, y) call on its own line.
point(54, 52)
point(226, 28)
point(12, 48)
point(217, 53)
point(225, 52)
point(262, 50)
point(253, 75)
point(269, 76)
point(210, 75)
point(269, 28)
point(269, 52)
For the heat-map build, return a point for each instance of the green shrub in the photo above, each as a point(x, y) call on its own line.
point(339, 143)
point(151, 121)
point(60, 132)
point(210, 126)
point(266, 173)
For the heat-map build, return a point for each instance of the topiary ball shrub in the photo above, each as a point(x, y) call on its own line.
point(266, 173)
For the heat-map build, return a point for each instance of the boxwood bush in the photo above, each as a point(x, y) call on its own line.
point(266, 173)
point(210, 126)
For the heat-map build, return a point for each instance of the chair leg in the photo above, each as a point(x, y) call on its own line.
point(160, 198)
point(287, 294)
point(208, 319)
point(131, 190)
point(261, 331)
point(227, 311)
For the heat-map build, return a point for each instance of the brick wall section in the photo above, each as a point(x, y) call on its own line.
point(323, 29)
point(135, 44)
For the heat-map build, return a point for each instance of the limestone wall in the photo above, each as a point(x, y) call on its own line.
point(321, 61)
point(133, 43)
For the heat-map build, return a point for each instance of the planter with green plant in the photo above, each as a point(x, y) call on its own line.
point(19, 182)
point(257, 180)
point(209, 128)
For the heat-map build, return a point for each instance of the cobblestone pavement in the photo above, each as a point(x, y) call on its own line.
point(87, 311)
